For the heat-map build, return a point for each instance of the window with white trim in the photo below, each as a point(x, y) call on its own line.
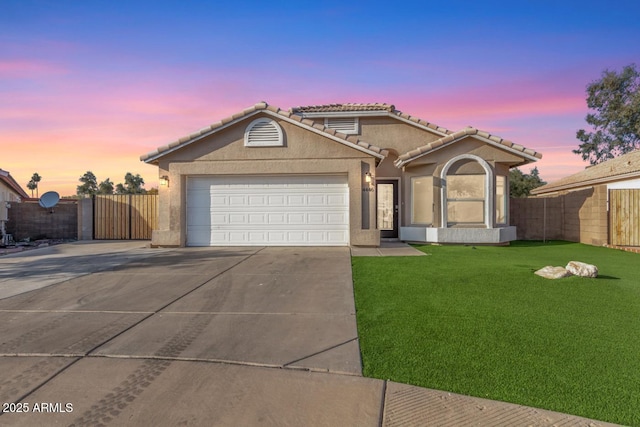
point(501, 199)
point(421, 200)
point(465, 199)
point(263, 132)
point(346, 125)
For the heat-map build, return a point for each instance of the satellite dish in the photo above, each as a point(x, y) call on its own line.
point(49, 199)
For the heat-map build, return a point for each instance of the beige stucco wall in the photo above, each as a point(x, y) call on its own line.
point(394, 134)
point(386, 168)
point(224, 153)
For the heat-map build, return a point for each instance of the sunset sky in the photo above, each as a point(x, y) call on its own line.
point(92, 85)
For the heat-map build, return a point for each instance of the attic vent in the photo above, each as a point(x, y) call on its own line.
point(263, 132)
point(346, 125)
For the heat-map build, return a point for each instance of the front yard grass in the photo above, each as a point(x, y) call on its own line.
point(477, 321)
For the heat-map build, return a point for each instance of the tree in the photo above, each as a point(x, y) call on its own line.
point(89, 185)
point(521, 184)
point(616, 121)
point(33, 184)
point(105, 187)
point(133, 184)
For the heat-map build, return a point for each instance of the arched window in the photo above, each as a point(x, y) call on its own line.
point(467, 195)
point(263, 132)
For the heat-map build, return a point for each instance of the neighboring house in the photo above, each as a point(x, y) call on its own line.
point(601, 204)
point(10, 192)
point(340, 174)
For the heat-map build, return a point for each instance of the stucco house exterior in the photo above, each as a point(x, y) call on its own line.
point(10, 192)
point(338, 174)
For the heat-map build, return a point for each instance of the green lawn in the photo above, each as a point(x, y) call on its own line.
point(477, 321)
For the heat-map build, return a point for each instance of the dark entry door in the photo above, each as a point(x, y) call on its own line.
point(387, 201)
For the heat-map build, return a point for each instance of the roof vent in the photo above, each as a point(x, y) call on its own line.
point(263, 132)
point(346, 125)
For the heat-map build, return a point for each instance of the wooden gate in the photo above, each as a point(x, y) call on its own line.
point(624, 217)
point(124, 216)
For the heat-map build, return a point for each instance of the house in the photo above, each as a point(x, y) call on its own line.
point(10, 192)
point(338, 174)
point(600, 204)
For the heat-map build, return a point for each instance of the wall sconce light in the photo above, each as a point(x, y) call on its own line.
point(164, 180)
point(368, 178)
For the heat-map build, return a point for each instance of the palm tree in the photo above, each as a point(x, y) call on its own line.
point(33, 184)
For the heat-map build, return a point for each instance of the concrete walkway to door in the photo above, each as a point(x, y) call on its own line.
point(210, 336)
point(393, 248)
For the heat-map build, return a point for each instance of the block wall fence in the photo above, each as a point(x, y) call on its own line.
point(30, 220)
point(577, 216)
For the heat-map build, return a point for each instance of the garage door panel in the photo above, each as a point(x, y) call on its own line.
point(316, 200)
point(237, 219)
point(295, 200)
point(259, 218)
point(276, 200)
point(237, 201)
point(337, 218)
point(296, 218)
point(257, 200)
point(337, 200)
point(273, 210)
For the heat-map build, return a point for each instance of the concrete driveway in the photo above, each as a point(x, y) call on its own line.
point(132, 333)
point(114, 333)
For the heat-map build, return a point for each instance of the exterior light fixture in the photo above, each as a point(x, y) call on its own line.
point(368, 179)
point(164, 180)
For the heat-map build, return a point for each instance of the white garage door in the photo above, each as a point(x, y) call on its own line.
point(268, 210)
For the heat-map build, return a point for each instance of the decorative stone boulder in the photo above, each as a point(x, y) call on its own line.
point(582, 269)
point(550, 272)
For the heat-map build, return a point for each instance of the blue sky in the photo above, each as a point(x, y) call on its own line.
point(91, 85)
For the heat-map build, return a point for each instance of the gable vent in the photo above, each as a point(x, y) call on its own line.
point(346, 125)
point(263, 132)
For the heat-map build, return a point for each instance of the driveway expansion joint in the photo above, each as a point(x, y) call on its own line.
point(382, 404)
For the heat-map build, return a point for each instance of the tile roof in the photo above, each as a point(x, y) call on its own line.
point(384, 108)
point(6, 177)
point(350, 140)
point(332, 108)
point(456, 136)
point(623, 167)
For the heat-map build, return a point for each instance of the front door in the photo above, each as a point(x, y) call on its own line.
point(387, 196)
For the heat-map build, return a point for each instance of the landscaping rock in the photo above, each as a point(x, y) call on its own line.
point(582, 269)
point(551, 272)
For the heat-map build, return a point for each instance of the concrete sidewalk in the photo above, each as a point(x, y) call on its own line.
point(387, 248)
point(210, 336)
